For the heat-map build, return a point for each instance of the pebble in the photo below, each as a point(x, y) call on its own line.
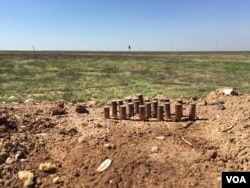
point(39, 181)
point(24, 160)
point(109, 146)
point(9, 160)
point(154, 149)
point(160, 137)
point(56, 180)
point(80, 140)
point(27, 178)
point(47, 167)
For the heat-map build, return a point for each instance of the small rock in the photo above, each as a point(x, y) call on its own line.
point(24, 160)
point(109, 146)
point(47, 167)
point(29, 101)
point(27, 178)
point(56, 180)
point(9, 160)
point(81, 139)
point(160, 137)
point(154, 149)
point(39, 181)
point(104, 165)
point(227, 91)
point(41, 134)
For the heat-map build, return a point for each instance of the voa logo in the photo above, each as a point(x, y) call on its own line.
point(236, 179)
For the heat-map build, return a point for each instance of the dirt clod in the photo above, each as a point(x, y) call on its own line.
point(58, 111)
point(81, 109)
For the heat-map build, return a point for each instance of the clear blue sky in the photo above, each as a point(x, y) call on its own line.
point(147, 25)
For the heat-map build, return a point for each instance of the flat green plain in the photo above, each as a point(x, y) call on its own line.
point(103, 76)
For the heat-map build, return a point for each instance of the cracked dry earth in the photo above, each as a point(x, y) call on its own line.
point(49, 144)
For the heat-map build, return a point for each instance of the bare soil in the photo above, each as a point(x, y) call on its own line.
point(74, 141)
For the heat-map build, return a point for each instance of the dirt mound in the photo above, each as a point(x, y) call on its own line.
point(65, 149)
point(220, 93)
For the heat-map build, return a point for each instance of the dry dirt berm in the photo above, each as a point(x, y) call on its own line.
point(143, 153)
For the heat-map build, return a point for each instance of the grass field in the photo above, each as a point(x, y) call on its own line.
point(102, 76)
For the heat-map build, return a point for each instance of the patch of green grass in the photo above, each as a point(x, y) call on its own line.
point(82, 76)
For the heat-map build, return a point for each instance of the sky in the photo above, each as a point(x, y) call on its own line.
point(112, 25)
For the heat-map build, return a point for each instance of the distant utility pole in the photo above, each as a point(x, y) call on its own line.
point(216, 45)
point(129, 48)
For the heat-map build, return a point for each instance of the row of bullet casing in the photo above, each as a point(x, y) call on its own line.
point(147, 109)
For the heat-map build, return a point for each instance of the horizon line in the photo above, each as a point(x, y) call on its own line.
point(123, 51)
